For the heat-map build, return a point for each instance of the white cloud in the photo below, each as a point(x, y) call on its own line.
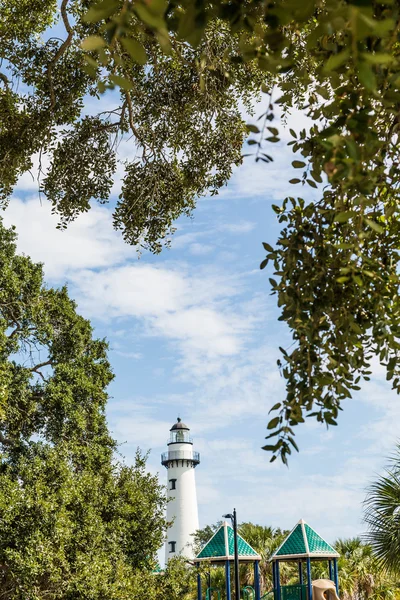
point(89, 242)
point(240, 227)
point(200, 249)
point(193, 312)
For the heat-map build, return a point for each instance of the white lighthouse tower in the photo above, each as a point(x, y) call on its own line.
point(180, 461)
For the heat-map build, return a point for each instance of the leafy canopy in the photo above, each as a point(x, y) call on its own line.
point(336, 260)
point(182, 134)
point(76, 522)
point(181, 68)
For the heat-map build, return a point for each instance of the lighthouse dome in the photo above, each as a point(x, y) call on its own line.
point(179, 425)
point(179, 433)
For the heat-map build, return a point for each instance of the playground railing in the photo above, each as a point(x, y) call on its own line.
point(293, 592)
point(210, 593)
point(248, 593)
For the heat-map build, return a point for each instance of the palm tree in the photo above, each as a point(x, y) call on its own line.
point(358, 569)
point(264, 540)
point(382, 515)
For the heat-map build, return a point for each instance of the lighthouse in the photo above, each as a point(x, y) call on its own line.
point(180, 461)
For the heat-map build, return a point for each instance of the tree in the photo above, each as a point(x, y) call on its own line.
point(76, 522)
point(181, 68)
point(264, 540)
point(336, 258)
point(185, 135)
point(382, 516)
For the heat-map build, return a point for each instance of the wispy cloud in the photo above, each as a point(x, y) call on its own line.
point(88, 243)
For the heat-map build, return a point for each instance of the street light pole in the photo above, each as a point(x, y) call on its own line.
point(233, 518)
point(235, 541)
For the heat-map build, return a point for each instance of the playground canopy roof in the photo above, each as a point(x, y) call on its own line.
point(221, 547)
point(304, 542)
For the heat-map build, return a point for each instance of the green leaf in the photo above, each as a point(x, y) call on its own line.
point(252, 128)
point(374, 225)
point(293, 133)
point(367, 76)
point(92, 42)
point(358, 280)
point(345, 246)
point(295, 180)
point(378, 58)
point(343, 217)
point(298, 164)
point(155, 20)
point(135, 50)
point(336, 60)
point(123, 83)
point(267, 247)
point(264, 263)
point(316, 176)
point(101, 10)
point(273, 423)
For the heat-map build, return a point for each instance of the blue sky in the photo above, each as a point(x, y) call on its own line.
point(194, 332)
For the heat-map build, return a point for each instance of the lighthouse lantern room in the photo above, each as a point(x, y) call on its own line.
point(180, 461)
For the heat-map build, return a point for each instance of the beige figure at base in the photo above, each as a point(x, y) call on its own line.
point(324, 589)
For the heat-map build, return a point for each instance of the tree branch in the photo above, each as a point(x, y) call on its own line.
point(5, 441)
point(5, 80)
point(36, 368)
point(60, 51)
point(130, 113)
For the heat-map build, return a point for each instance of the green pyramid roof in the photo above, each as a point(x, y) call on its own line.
point(303, 541)
point(221, 547)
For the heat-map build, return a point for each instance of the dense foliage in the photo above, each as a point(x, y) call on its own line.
point(179, 71)
point(383, 515)
point(361, 576)
point(184, 137)
point(336, 259)
point(75, 521)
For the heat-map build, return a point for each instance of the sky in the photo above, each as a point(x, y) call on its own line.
point(193, 332)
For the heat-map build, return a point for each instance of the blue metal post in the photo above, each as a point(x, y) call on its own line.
point(335, 574)
point(256, 580)
point(198, 583)
point(309, 585)
point(330, 570)
point(300, 573)
point(228, 580)
point(278, 581)
point(274, 578)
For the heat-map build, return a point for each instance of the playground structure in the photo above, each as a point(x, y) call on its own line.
point(219, 551)
point(302, 546)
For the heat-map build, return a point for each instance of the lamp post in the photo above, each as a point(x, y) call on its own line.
point(233, 518)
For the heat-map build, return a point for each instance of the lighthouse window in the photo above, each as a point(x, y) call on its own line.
point(172, 546)
point(173, 484)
